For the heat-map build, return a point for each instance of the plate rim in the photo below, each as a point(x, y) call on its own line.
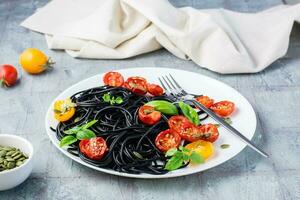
point(141, 176)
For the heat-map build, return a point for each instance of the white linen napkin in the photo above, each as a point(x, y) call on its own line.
point(217, 39)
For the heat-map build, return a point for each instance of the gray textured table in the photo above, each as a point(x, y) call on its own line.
point(274, 93)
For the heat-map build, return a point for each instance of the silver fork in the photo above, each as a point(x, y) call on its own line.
point(173, 89)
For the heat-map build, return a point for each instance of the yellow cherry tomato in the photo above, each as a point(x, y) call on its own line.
point(64, 110)
point(201, 147)
point(34, 61)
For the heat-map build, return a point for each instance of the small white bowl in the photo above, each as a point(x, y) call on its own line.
point(11, 178)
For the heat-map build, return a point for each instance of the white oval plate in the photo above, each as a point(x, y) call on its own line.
point(243, 118)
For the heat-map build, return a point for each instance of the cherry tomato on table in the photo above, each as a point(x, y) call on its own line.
point(93, 148)
point(148, 115)
point(223, 108)
point(137, 85)
point(114, 79)
point(35, 61)
point(155, 90)
point(201, 147)
point(209, 132)
point(205, 100)
point(166, 140)
point(8, 75)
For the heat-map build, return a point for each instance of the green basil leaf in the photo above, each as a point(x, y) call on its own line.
point(189, 113)
point(119, 100)
point(185, 157)
point(67, 140)
point(196, 158)
point(164, 107)
point(85, 134)
point(174, 163)
point(72, 130)
point(89, 124)
point(171, 152)
point(184, 150)
point(106, 98)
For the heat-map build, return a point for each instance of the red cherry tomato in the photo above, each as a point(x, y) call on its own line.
point(223, 108)
point(209, 132)
point(155, 90)
point(137, 85)
point(114, 79)
point(93, 148)
point(178, 123)
point(166, 140)
point(191, 133)
point(8, 75)
point(148, 115)
point(205, 100)
point(187, 130)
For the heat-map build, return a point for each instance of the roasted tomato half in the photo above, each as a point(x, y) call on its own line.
point(166, 140)
point(94, 148)
point(148, 115)
point(114, 79)
point(205, 100)
point(155, 90)
point(209, 132)
point(137, 85)
point(223, 108)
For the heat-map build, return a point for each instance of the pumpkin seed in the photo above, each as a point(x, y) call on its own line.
point(10, 153)
point(17, 156)
point(19, 163)
point(2, 153)
point(8, 148)
point(11, 157)
point(16, 153)
point(21, 159)
point(11, 165)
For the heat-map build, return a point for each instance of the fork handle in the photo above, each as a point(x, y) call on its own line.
point(228, 127)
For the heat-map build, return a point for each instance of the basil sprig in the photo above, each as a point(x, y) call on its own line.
point(111, 99)
point(78, 133)
point(180, 156)
point(189, 113)
point(164, 107)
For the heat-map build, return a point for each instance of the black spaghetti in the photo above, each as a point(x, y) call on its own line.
point(131, 147)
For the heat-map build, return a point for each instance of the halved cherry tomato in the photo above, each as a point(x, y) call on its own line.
point(223, 108)
point(64, 110)
point(178, 123)
point(201, 147)
point(93, 148)
point(137, 85)
point(205, 100)
point(209, 132)
point(166, 140)
point(182, 126)
point(148, 115)
point(114, 79)
point(155, 90)
point(8, 75)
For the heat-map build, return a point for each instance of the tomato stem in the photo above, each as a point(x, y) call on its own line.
point(49, 64)
point(3, 83)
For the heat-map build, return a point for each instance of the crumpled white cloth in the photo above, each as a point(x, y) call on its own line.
point(217, 39)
